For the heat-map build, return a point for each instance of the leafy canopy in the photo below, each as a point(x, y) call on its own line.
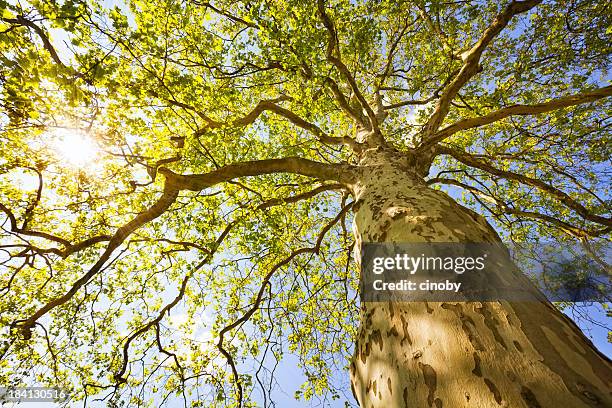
point(121, 279)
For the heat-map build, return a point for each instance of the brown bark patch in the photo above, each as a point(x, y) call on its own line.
point(467, 324)
point(529, 398)
point(376, 337)
point(491, 323)
point(365, 354)
point(405, 330)
point(430, 377)
point(494, 390)
point(392, 332)
point(588, 394)
point(518, 346)
point(477, 371)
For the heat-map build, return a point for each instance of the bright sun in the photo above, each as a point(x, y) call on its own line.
point(75, 148)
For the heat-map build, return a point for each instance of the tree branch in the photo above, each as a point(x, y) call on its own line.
point(296, 165)
point(161, 205)
point(343, 102)
point(435, 28)
point(230, 16)
point(334, 47)
point(570, 229)
point(519, 110)
point(270, 105)
point(298, 197)
point(471, 59)
point(118, 376)
point(563, 197)
point(22, 21)
point(69, 248)
point(434, 95)
point(247, 315)
point(195, 182)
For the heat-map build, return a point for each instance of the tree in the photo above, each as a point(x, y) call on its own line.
point(224, 148)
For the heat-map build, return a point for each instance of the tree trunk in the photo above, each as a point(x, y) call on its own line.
point(449, 354)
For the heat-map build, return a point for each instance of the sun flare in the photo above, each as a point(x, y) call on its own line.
point(75, 148)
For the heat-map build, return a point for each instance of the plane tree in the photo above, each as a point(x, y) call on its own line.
point(184, 185)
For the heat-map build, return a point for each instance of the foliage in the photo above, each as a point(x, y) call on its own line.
point(200, 300)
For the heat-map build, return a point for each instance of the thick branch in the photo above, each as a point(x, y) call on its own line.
point(333, 47)
point(312, 128)
point(296, 165)
point(20, 20)
point(519, 110)
point(471, 59)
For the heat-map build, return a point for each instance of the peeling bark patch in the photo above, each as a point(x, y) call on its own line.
point(357, 205)
point(588, 394)
point(353, 391)
point(405, 396)
point(529, 398)
point(405, 330)
point(467, 324)
point(476, 371)
point(366, 353)
point(376, 337)
point(368, 320)
point(400, 214)
point(493, 390)
point(518, 346)
point(438, 403)
point(491, 323)
point(429, 375)
point(393, 332)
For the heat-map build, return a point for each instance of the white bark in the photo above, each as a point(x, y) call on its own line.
point(452, 354)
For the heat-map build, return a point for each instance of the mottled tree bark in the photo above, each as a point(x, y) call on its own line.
point(419, 354)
